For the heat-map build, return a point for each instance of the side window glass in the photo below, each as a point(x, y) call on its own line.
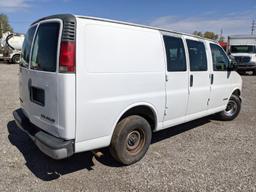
point(197, 55)
point(219, 58)
point(25, 53)
point(175, 53)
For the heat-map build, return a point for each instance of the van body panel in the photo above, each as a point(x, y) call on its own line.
point(176, 93)
point(66, 105)
point(92, 144)
point(57, 116)
point(44, 115)
point(224, 85)
point(119, 65)
point(24, 89)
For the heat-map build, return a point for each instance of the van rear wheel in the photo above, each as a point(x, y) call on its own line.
point(232, 110)
point(131, 139)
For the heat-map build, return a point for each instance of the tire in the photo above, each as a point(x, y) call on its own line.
point(131, 140)
point(254, 72)
point(232, 110)
point(16, 59)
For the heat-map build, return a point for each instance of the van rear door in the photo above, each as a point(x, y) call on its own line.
point(40, 85)
point(24, 68)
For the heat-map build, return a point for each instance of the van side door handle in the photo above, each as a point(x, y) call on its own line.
point(191, 80)
point(212, 78)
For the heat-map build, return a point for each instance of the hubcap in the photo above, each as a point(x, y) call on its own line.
point(135, 141)
point(231, 108)
point(16, 59)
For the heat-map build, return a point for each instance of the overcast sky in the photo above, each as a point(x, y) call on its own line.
point(233, 16)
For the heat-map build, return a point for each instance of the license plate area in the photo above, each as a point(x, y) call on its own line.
point(37, 95)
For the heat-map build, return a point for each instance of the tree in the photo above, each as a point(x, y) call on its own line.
point(4, 24)
point(211, 35)
point(198, 33)
point(207, 34)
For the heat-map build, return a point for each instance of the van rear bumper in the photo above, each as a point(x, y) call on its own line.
point(52, 146)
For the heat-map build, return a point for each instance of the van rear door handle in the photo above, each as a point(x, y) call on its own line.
point(191, 80)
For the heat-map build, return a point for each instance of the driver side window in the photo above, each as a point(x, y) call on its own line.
point(219, 58)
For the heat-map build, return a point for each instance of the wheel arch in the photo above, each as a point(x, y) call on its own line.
point(146, 110)
point(236, 92)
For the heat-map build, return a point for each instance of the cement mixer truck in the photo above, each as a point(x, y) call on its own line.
point(10, 47)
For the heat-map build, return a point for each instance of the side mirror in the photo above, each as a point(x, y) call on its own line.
point(232, 63)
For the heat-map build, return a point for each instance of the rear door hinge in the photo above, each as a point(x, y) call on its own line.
point(165, 111)
point(208, 101)
point(166, 77)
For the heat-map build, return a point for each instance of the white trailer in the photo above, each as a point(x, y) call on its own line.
point(10, 47)
point(243, 48)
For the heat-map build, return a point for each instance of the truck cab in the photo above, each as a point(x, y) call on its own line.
point(243, 49)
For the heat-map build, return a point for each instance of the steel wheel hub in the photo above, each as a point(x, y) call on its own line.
point(135, 141)
point(231, 108)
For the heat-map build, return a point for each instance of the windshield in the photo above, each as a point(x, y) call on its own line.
point(243, 49)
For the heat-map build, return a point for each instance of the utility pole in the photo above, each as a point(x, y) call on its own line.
point(1, 29)
point(221, 35)
point(253, 27)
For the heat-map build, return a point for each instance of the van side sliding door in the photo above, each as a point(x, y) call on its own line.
point(176, 80)
point(199, 81)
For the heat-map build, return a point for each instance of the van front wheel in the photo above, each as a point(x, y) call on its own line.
point(131, 139)
point(232, 110)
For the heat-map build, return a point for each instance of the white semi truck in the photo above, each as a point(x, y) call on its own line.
point(10, 47)
point(243, 49)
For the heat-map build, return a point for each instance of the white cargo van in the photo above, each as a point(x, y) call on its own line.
point(88, 83)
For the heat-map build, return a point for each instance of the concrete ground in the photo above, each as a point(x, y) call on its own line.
point(203, 155)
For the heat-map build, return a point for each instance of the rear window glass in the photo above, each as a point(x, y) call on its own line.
point(44, 54)
point(27, 47)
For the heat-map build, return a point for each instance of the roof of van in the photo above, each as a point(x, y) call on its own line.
point(143, 26)
point(120, 22)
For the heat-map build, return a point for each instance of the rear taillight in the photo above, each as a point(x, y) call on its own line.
point(67, 61)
